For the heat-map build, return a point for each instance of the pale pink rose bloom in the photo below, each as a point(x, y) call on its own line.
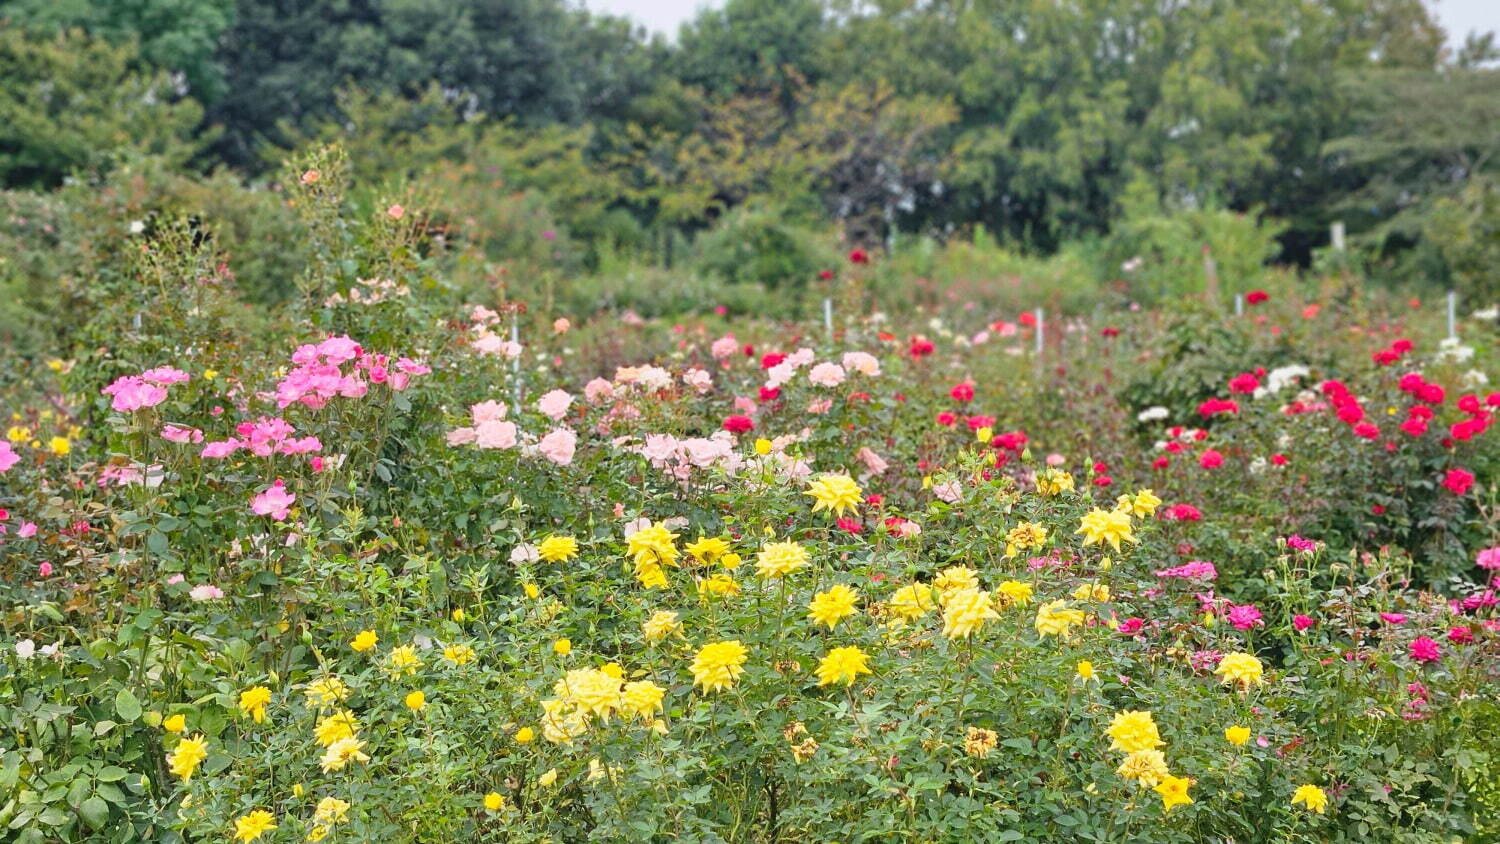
point(481, 314)
point(659, 448)
point(524, 554)
point(561, 325)
point(795, 469)
point(488, 343)
point(862, 362)
point(698, 379)
point(495, 434)
point(461, 436)
point(554, 405)
point(632, 318)
point(744, 404)
point(780, 374)
point(725, 347)
point(826, 375)
point(179, 434)
point(27, 530)
point(1007, 329)
point(598, 390)
point(874, 462)
point(273, 501)
point(981, 338)
point(636, 526)
point(558, 446)
point(800, 358)
point(488, 411)
point(206, 592)
point(175, 579)
point(654, 378)
point(907, 529)
point(703, 452)
point(219, 449)
point(1055, 459)
point(819, 406)
point(949, 491)
point(8, 456)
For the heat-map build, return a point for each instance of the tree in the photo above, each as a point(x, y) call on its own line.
point(752, 45)
point(180, 36)
point(1421, 136)
point(533, 60)
point(71, 102)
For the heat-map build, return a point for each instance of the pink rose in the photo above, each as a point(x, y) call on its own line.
point(487, 411)
point(558, 446)
point(826, 375)
point(274, 501)
point(554, 405)
point(495, 435)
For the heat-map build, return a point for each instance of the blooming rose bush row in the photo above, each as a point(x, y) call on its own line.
point(394, 575)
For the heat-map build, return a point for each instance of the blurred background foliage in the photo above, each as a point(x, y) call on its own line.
point(1020, 151)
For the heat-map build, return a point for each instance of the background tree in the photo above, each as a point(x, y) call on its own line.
point(71, 102)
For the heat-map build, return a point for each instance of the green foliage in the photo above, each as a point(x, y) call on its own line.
point(1465, 231)
point(757, 246)
point(177, 36)
point(73, 103)
point(1161, 254)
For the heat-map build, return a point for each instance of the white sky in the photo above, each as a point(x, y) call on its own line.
point(1459, 17)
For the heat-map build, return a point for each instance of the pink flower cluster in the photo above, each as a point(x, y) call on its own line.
point(264, 437)
point(490, 430)
point(273, 501)
point(1194, 570)
point(319, 374)
point(130, 393)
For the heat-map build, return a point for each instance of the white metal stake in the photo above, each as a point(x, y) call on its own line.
point(515, 363)
point(828, 317)
point(1336, 236)
point(1452, 314)
point(1239, 304)
point(1040, 330)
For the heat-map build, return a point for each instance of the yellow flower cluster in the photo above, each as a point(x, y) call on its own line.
point(1024, 536)
point(717, 666)
point(965, 611)
point(660, 625)
point(912, 601)
point(978, 742)
point(1314, 798)
point(1052, 482)
point(844, 664)
point(708, 549)
point(1112, 526)
point(835, 493)
point(834, 605)
point(586, 693)
point(186, 758)
point(253, 702)
point(652, 548)
point(1136, 734)
point(779, 559)
point(557, 549)
point(1142, 504)
point(1242, 669)
point(1054, 619)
